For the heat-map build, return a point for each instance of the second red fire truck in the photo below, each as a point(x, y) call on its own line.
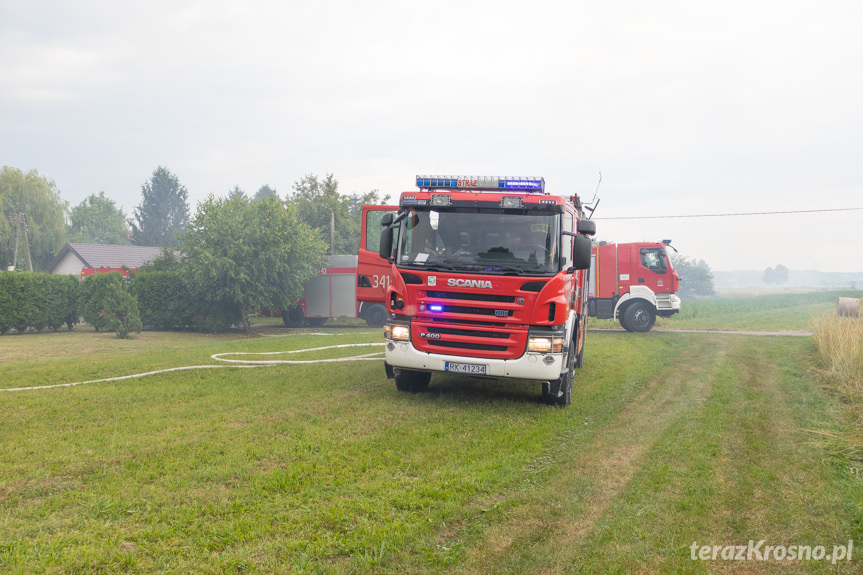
point(633, 283)
point(488, 278)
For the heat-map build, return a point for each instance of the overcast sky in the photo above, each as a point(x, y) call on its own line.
point(684, 107)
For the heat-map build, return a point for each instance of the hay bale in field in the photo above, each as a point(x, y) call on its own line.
point(847, 307)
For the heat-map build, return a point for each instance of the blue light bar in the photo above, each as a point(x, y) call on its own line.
point(435, 307)
point(487, 184)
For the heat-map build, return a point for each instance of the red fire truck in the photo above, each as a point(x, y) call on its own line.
point(633, 283)
point(91, 271)
point(488, 278)
point(349, 286)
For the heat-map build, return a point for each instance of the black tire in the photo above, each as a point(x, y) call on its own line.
point(559, 391)
point(621, 317)
point(317, 321)
point(376, 316)
point(294, 316)
point(579, 358)
point(412, 381)
point(639, 317)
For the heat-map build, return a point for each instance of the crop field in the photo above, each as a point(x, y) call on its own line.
point(677, 447)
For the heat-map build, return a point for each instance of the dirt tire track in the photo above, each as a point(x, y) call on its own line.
point(603, 467)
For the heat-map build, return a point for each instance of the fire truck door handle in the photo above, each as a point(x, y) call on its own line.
point(641, 280)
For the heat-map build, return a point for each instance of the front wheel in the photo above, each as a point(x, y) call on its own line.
point(412, 381)
point(639, 317)
point(376, 316)
point(559, 391)
point(294, 316)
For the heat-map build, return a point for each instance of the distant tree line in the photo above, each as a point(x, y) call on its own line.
point(159, 219)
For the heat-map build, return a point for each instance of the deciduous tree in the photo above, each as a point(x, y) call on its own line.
point(44, 214)
point(319, 203)
point(249, 255)
point(696, 277)
point(97, 220)
point(775, 276)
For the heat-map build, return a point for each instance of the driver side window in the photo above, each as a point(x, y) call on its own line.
point(654, 260)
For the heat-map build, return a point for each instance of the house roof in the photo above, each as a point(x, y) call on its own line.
point(107, 256)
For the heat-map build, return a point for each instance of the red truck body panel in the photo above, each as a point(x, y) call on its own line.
point(90, 271)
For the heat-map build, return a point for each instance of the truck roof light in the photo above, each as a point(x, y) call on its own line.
point(667, 242)
point(482, 183)
point(440, 200)
point(510, 202)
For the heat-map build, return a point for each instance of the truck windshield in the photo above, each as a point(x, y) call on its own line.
point(480, 241)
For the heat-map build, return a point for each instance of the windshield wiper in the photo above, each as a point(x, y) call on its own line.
point(488, 267)
point(440, 267)
point(434, 265)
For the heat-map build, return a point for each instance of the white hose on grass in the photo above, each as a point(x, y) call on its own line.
point(237, 363)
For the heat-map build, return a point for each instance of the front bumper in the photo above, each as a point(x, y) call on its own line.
point(667, 304)
point(403, 355)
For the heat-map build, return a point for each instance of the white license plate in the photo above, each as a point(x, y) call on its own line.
point(471, 368)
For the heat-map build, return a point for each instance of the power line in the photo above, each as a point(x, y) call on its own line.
point(729, 215)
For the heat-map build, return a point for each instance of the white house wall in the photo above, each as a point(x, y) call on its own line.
point(69, 265)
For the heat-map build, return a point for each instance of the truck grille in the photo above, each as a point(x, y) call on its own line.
point(498, 342)
point(474, 323)
point(472, 296)
point(502, 313)
point(468, 332)
point(468, 345)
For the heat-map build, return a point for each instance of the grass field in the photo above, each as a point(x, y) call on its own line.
point(672, 440)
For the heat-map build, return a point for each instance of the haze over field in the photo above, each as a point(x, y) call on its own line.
point(685, 108)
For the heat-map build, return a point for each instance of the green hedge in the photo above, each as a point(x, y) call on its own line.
point(36, 301)
point(164, 300)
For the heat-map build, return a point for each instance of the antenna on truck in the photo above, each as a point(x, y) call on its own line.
point(588, 206)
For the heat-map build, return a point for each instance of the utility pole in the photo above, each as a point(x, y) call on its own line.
point(15, 251)
point(21, 224)
point(332, 233)
point(26, 243)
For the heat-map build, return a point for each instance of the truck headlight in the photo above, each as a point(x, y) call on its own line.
point(545, 344)
point(397, 332)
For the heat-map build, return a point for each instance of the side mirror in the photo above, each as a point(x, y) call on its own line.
point(385, 249)
point(587, 227)
point(581, 251)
